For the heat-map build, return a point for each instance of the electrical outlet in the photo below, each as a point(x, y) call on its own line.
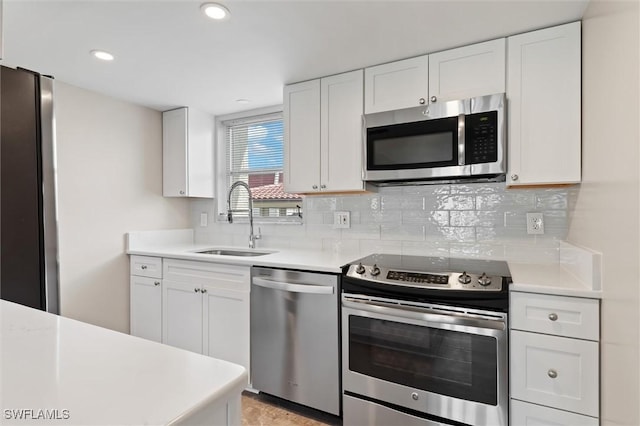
point(204, 219)
point(535, 223)
point(341, 219)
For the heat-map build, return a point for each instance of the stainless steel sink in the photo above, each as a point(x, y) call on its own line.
point(226, 252)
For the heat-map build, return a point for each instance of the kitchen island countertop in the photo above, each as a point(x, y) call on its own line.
point(62, 371)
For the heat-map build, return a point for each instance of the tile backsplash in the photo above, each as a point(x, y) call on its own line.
point(471, 220)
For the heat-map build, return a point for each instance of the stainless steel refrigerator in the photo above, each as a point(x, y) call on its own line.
point(28, 225)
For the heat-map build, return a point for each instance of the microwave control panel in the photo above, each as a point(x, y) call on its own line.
point(481, 137)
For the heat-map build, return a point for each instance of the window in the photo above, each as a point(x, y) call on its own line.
point(255, 155)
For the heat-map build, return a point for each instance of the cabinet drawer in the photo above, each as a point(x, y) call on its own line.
point(146, 266)
point(524, 414)
point(231, 277)
point(559, 315)
point(555, 371)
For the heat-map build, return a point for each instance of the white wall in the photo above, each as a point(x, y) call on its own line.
point(109, 182)
point(606, 215)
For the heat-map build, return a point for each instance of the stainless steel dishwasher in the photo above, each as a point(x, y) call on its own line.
point(295, 337)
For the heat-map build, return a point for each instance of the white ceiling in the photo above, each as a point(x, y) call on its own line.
point(168, 54)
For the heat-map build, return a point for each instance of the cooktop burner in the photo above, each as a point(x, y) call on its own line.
point(459, 281)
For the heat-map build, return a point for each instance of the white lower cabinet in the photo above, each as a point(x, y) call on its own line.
point(525, 414)
point(555, 371)
point(182, 323)
point(146, 308)
point(206, 309)
point(555, 360)
point(226, 325)
point(145, 287)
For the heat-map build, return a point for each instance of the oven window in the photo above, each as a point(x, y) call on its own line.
point(452, 363)
point(423, 144)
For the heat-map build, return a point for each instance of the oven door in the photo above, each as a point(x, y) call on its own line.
point(440, 361)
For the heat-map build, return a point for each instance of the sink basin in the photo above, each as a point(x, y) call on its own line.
point(228, 252)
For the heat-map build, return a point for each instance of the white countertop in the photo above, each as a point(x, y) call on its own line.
point(101, 376)
point(549, 279)
point(313, 260)
point(576, 274)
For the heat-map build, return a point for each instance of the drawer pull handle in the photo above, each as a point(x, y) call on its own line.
point(143, 267)
point(553, 317)
point(552, 373)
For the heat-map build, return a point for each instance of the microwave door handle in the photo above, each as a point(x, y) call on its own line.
point(461, 139)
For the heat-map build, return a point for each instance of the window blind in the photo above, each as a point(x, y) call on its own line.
point(255, 156)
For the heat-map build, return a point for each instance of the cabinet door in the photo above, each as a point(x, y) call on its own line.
point(555, 371)
point(226, 325)
point(341, 132)
point(187, 153)
point(174, 153)
point(396, 85)
point(469, 71)
point(544, 101)
point(523, 414)
point(146, 308)
point(182, 315)
point(302, 137)
point(200, 164)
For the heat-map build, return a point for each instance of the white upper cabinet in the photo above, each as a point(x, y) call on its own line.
point(187, 153)
point(302, 136)
point(396, 85)
point(323, 134)
point(544, 101)
point(341, 132)
point(469, 71)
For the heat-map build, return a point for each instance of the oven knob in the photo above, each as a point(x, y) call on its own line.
point(375, 271)
point(415, 396)
point(464, 278)
point(360, 269)
point(484, 280)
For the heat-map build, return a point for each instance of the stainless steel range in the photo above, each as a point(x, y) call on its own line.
point(424, 341)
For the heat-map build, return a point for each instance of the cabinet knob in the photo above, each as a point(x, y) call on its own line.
point(552, 373)
point(143, 267)
point(415, 396)
point(197, 290)
point(422, 101)
point(553, 317)
point(181, 192)
point(204, 290)
point(514, 177)
point(315, 187)
point(156, 283)
point(323, 186)
point(434, 99)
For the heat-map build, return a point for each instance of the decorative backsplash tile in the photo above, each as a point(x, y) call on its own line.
point(470, 220)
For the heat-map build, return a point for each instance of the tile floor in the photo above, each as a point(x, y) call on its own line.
point(265, 410)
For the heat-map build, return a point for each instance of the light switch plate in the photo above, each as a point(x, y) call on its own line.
point(341, 219)
point(204, 219)
point(535, 223)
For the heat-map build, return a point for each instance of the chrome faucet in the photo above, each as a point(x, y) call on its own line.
point(252, 238)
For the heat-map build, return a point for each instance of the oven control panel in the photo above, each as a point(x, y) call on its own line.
point(438, 280)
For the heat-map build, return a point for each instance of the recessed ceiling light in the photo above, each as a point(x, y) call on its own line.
point(215, 11)
point(243, 101)
point(101, 54)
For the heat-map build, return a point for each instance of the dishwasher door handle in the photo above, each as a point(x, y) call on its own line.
point(293, 288)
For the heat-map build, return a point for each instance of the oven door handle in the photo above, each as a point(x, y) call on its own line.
point(425, 314)
point(293, 288)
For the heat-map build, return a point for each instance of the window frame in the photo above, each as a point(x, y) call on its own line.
point(222, 183)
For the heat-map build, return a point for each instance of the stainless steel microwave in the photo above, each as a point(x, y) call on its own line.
point(449, 141)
